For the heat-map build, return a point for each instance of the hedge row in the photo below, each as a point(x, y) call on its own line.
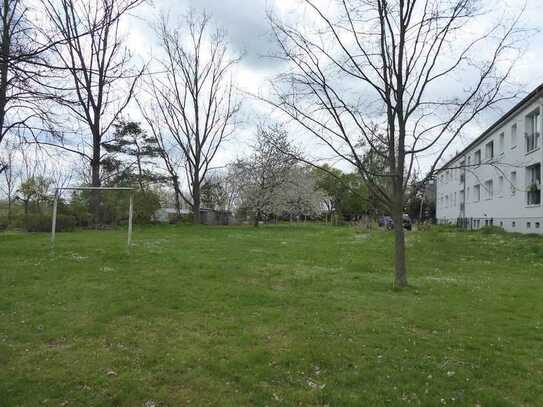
point(42, 223)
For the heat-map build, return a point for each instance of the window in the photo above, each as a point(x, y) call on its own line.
point(528, 225)
point(477, 157)
point(476, 193)
point(514, 135)
point(502, 143)
point(533, 187)
point(468, 195)
point(514, 224)
point(500, 185)
point(489, 151)
point(513, 183)
point(489, 189)
point(454, 204)
point(501, 224)
point(469, 160)
point(532, 131)
point(537, 225)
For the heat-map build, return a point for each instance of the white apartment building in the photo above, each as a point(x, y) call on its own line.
point(496, 180)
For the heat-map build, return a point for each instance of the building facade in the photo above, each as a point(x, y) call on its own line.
point(496, 180)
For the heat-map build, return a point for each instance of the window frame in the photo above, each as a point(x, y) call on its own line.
point(514, 135)
point(533, 185)
point(489, 189)
point(477, 157)
point(533, 131)
point(501, 143)
point(477, 193)
point(491, 149)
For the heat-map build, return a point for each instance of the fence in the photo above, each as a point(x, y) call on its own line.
point(473, 223)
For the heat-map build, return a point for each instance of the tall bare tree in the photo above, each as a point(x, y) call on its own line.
point(93, 66)
point(10, 174)
point(400, 78)
point(168, 150)
point(194, 95)
point(23, 64)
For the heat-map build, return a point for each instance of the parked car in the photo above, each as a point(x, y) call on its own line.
point(407, 222)
point(388, 223)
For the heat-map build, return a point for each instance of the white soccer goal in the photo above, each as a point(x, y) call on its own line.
point(130, 206)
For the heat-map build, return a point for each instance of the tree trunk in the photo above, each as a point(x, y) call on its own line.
point(140, 173)
point(400, 269)
point(10, 200)
point(95, 182)
point(177, 194)
point(257, 218)
point(196, 218)
point(4, 65)
point(177, 203)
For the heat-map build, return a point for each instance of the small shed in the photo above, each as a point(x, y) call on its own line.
point(216, 217)
point(168, 215)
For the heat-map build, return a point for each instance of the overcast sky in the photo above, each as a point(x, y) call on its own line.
point(249, 35)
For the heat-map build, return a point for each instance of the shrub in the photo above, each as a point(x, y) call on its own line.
point(365, 226)
point(491, 230)
point(42, 223)
point(146, 203)
point(17, 222)
point(445, 228)
point(3, 223)
point(425, 226)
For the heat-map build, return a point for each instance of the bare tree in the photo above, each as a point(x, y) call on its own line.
point(10, 174)
point(231, 186)
point(194, 95)
point(93, 65)
point(23, 64)
point(399, 78)
point(169, 152)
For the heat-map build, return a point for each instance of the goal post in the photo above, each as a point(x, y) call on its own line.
point(130, 206)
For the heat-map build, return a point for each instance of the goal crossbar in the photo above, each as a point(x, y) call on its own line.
point(130, 206)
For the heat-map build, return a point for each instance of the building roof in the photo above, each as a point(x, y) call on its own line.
point(532, 95)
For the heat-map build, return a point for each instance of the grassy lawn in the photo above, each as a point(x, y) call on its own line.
point(281, 315)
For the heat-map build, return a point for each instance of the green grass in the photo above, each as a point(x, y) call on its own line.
point(276, 316)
